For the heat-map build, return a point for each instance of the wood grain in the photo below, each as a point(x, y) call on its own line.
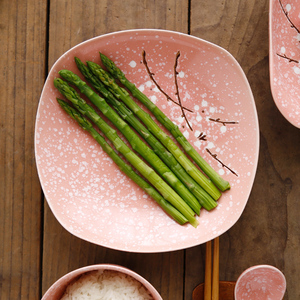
point(22, 50)
point(72, 22)
point(35, 250)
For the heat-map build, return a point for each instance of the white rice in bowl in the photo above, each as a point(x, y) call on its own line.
point(106, 285)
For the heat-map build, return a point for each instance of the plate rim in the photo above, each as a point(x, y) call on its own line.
point(257, 138)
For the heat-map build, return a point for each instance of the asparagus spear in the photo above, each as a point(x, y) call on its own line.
point(167, 123)
point(124, 167)
point(137, 144)
point(162, 187)
point(122, 94)
point(204, 198)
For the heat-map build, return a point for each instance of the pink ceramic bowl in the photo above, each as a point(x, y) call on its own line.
point(56, 291)
point(262, 282)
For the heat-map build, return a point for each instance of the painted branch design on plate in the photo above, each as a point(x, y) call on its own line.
point(223, 165)
point(201, 136)
point(218, 120)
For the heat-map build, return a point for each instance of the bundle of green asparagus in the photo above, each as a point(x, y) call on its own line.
point(86, 125)
point(176, 184)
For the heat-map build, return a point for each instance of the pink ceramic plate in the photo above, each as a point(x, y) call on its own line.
point(262, 282)
point(284, 45)
point(87, 193)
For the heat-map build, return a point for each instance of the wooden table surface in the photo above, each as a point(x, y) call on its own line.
point(35, 250)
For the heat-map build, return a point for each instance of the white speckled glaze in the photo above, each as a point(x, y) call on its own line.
point(285, 75)
point(56, 291)
point(87, 193)
point(262, 282)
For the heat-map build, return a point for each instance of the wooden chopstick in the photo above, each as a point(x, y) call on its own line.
point(211, 281)
point(208, 272)
point(215, 275)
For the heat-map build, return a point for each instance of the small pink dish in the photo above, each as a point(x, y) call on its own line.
point(284, 48)
point(56, 291)
point(262, 282)
point(93, 199)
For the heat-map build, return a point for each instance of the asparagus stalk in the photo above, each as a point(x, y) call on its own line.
point(122, 94)
point(162, 187)
point(124, 167)
point(204, 198)
point(137, 144)
point(167, 123)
